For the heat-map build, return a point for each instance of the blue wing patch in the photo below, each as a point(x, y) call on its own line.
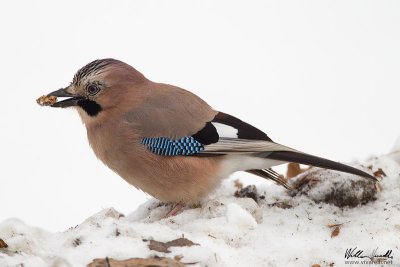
point(167, 147)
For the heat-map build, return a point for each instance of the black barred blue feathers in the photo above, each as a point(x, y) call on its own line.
point(166, 147)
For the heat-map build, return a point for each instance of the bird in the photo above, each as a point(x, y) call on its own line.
point(167, 141)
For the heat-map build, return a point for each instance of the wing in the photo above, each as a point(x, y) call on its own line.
point(169, 112)
point(230, 126)
point(172, 121)
point(224, 134)
point(227, 145)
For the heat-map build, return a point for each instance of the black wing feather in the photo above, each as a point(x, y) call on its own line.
point(209, 134)
point(245, 130)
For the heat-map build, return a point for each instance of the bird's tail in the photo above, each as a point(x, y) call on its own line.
point(272, 150)
point(302, 158)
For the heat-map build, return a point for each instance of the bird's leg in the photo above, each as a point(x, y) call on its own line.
point(175, 209)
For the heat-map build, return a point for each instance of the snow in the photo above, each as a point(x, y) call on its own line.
point(230, 231)
point(319, 76)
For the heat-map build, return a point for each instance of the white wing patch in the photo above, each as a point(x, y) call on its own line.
point(225, 130)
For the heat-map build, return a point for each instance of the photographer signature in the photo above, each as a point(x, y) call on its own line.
point(354, 253)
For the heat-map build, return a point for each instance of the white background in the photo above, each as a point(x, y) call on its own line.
point(319, 76)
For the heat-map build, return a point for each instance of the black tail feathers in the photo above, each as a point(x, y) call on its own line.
point(314, 161)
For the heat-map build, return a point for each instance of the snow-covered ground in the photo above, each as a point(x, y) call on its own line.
point(279, 230)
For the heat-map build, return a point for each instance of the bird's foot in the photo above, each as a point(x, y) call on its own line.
point(175, 209)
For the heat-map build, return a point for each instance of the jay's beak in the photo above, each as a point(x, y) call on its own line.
point(69, 102)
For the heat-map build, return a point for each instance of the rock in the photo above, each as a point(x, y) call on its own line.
point(339, 189)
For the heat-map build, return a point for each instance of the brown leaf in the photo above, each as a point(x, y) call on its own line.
point(3, 244)
point(335, 225)
point(379, 186)
point(181, 242)
point(335, 232)
point(163, 247)
point(137, 262)
point(293, 169)
point(379, 173)
point(158, 246)
point(238, 184)
point(316, 265)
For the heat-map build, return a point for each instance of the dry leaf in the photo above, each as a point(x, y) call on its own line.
point(137, 262)
point(238, 184)
point(316, 265)
point(3, 244)
point(335, 225)
point(379, 173)
point(163, 247)
point(158, 246)
point(335, 232)
point(293, 169)
point(379, 186)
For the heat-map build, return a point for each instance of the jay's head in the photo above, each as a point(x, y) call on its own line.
point(99, 86)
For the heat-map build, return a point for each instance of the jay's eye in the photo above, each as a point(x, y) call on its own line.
point(93, 89)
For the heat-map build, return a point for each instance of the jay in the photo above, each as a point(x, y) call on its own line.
point(167, 141)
